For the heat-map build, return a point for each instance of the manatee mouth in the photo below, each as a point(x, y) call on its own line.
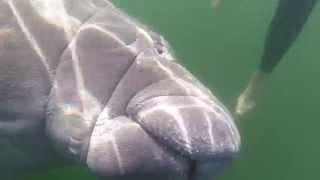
point(192, 171)
point(129, 151)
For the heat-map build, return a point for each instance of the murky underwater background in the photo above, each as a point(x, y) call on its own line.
point(222, 47)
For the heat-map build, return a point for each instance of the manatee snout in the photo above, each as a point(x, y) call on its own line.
point(165, 138)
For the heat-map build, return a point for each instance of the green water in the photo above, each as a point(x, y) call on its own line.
point(222, 47)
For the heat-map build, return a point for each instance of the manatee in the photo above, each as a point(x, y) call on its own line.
point(83, 83)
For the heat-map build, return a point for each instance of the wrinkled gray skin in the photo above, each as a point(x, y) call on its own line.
point(82, 82)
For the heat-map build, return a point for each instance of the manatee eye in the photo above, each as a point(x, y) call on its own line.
point(160, 48)
point(163, 48)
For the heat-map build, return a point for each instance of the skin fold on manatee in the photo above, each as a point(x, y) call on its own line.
point(81, 82)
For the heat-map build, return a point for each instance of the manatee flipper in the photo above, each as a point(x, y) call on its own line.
point(247, 99)
point(287, 24)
